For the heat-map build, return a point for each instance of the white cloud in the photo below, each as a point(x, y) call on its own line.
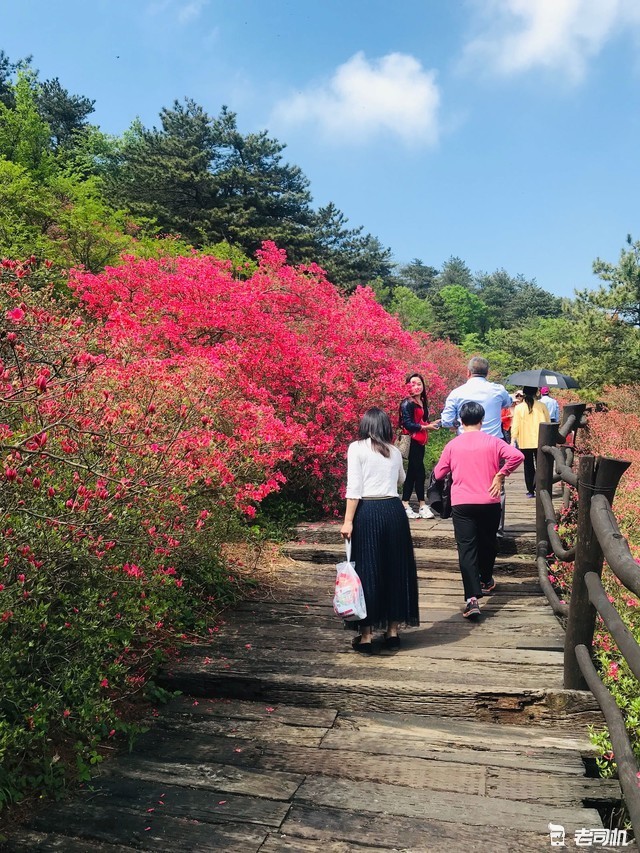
point(558, 35)
point(183, 12)
point(190, 11)
point(393, 95)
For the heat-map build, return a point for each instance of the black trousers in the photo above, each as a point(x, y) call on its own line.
point(529, 465)
point(475, 527)
point(416, 474)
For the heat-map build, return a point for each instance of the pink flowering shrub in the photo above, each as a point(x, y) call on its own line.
point(285, 340)
point(143, 422)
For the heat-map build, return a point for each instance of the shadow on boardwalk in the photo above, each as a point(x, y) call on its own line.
point(285, 740)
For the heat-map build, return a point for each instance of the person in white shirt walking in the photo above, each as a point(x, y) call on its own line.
point(376, 523)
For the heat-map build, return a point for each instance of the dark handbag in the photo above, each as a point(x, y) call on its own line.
point(439, 495)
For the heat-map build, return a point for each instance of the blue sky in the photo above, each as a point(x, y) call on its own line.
point(504, 132)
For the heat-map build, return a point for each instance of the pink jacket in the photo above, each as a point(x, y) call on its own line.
point(474, 458)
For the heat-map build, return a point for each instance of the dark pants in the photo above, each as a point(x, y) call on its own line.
point(475, 527)
point(530, 467)
point(416, 474)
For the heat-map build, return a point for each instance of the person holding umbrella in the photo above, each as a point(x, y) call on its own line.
point(527, 417)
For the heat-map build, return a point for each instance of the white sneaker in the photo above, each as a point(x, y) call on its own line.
point(425, 512)
point(411, 513)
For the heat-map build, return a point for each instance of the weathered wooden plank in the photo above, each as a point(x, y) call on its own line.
point(358, 830)
point(476, 733)
point(463, 808)
point(145, 831)
point(232, 708)
point(174, 745)
point(543, 761)
point(25, 841)
point(390, 666)
point(185, 801)
point(506, 783)
point(278, 843)
point(213, 776)
point(404, 771)
point(412, 657)
point(512, 704)
point(471, 653)
point(232, 728)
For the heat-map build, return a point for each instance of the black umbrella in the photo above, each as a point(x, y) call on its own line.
point(540, 378)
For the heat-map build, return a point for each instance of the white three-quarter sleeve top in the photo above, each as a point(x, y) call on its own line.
point(372, 475)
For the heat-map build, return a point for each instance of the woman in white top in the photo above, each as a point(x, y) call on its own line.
point(376, 522)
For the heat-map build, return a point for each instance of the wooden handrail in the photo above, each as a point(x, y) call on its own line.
point(614, 545)
point(622, 751)
point(560, 608)
point(567, 555)
point(623, 637)
point(564, 471)
point(598, 536)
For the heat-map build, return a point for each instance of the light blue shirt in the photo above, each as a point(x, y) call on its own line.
point(491, 396)
point(553, 407)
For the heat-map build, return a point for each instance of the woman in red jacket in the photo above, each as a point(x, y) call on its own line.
point(414, 420)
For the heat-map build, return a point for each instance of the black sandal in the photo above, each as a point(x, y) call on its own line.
point(364, 648)
point(392, 643)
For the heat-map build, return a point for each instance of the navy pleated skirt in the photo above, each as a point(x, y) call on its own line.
point(382, 551)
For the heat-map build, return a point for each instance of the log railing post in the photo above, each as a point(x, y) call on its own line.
point(582, 614)
point(547, 436)
point(576, 409)
point(599, 476)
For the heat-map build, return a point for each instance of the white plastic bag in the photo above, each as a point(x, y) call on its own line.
point(348, 601)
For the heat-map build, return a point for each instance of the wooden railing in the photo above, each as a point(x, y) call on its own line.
point(598, 537)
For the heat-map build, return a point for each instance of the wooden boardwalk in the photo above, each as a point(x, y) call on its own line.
point(286, 740)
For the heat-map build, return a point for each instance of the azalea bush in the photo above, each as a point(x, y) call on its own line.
point(118, 489)
point(147, 412)
point(285, 340)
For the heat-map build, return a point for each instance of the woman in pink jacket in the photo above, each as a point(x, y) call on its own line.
point(478, 463)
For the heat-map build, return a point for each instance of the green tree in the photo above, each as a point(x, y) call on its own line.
point(8, 71)
point(202, 178)
point(65, 114)
point(513, 300)
point(457, 312)
point(349, 256)
point(164, 174)
point(24, 136)
point(417, 276)
point(27, 214)
point(259, 196)
point(620, 298)
point(455, 271)
point(415, 314)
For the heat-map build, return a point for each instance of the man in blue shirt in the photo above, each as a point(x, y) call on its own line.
point(551, 404)
point(477, 389)
point(491, 396)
